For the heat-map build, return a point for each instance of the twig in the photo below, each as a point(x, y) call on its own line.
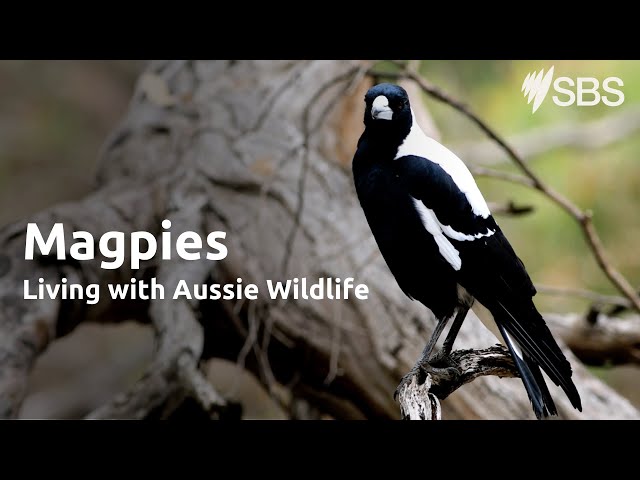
point(510, 208)
point(590, 135)
point(279, 92)
point(500, 175)
point(616, 310)
point(586, 294)
point(351, 77)
point(582, 217)
point(413, 65)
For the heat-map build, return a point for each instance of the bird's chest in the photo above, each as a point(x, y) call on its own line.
point(381, 192)
point(408, 249)
point(388, 205)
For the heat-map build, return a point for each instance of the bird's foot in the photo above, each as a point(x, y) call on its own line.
point(441, 368)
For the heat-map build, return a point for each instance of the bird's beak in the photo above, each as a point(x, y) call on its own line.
point(380, 109)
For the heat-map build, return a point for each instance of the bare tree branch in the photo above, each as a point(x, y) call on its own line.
point(608, 340)
point(615, 310)
point(418, 398)
point(417, 402)
point(586, 294)
point(500, 175)
point(589, 135)
point(600, 339)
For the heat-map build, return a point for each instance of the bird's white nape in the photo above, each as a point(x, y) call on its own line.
point(417, 143)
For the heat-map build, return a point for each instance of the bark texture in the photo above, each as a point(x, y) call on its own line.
point(261, 150)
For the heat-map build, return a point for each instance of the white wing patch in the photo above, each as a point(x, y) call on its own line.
point(451, 233)
point(419, 144)
point(445, 247)
point(440, 233)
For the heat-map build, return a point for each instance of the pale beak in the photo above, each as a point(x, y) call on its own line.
point(380, 109)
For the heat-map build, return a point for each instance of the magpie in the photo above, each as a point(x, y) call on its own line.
point(435, 232)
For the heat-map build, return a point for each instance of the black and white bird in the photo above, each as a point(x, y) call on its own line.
point(443, 246)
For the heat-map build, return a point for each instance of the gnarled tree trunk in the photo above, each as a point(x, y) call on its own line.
point(261, 150)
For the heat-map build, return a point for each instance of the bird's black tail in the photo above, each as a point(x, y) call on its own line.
point(534, 383)
point(533, 347)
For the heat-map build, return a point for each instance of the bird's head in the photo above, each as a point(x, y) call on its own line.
point(387, 106)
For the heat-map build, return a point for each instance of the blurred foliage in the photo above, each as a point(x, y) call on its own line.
point(54, 117)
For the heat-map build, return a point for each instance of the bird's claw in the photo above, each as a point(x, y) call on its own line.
point(439, 367)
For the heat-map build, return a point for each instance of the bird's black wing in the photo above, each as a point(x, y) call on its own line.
point(484, 246)
point(491, 271)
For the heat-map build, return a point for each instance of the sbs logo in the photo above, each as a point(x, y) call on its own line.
point(587, 90)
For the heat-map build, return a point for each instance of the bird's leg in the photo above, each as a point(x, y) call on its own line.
point(453, 331)
point(423, 365)
point(428, 349)
point(461, 314)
